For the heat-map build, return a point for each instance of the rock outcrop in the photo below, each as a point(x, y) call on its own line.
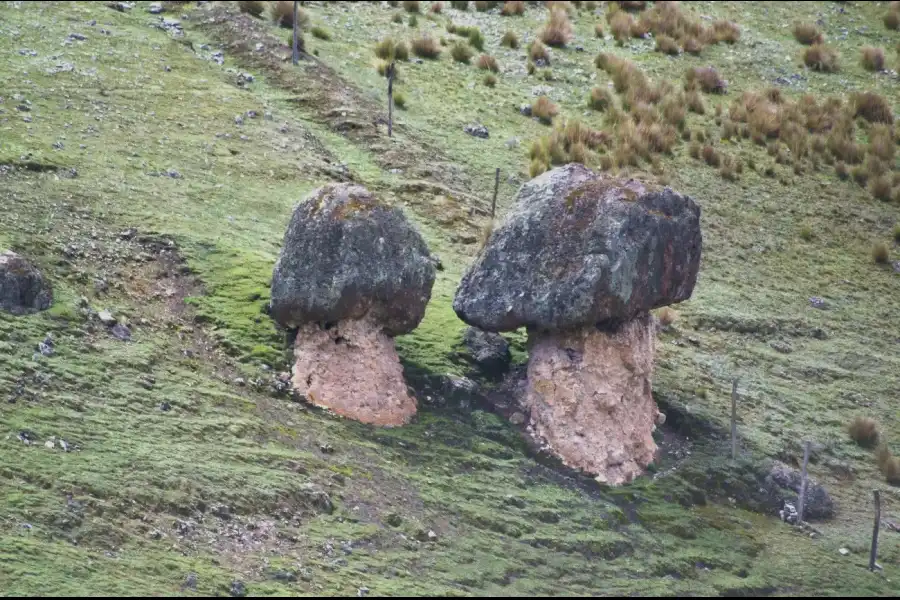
point(488, 350)
point(579, 262)
point(23, 289)
point(352, 274)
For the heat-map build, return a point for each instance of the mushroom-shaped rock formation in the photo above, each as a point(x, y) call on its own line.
point(352, 274)
point(23, 290)
point(579, 261)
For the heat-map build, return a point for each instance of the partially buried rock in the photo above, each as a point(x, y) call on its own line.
point(579, 262)
point(783, 484)
point(490, 351)
point(352, 274)
point(23, 289)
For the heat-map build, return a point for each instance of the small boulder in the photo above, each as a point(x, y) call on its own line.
point(783, 484)
point(489, 350)
point(23, 289)
point(479, 131)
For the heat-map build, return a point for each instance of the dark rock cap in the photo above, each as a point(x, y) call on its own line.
point(578, 249)
point(23, 289)
point(346, 256)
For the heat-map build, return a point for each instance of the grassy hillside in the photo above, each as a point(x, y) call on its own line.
point(147, 175)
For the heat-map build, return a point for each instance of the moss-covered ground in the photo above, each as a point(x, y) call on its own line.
point(186, 466)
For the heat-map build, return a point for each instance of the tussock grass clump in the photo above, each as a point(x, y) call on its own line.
point(892, 20)
point(483, 6)
point(437, 8)
point(872, 107)
point(888, 464)
point(544, 109)
point(464, 5)
point(488, 63)
point(820, 57)
point(567, 143)
point(880, 253)
point(513, 9)
point(667, 45)
point(711, 157)
point(880, 188)
point(397, 18)
point(881, 142)
point(864, 431)
point(388, 49)
point(666, 316)
point(691, 45)
point(897, 233)
point(426, 47)
point(725, 31)
point(400, 100)
point(253, 7)
point(321, 33)
point(706, 78)
point(808, 34)
point(598, 29)
point(694, 102)
point(461, 53)
point(600, 99)
point(537, 51)
point(476, 38)
point(558, 30)
point(489, 80)
point(872, 59)
point(282, 13)
point(621, 25)
point(731, 168)
point(510, 40)
point(411, 6)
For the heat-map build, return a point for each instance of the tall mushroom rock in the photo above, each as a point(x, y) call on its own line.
point(579, 261)
point(352, 274)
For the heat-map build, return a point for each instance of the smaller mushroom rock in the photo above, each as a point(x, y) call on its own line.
point(352, 274)
point(23, 290)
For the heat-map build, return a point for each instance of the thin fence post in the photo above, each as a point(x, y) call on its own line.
point(496, 189)
point(390, 99)
point(802, 502)
point(734, 396)
point(296, 55)
point(874, 552)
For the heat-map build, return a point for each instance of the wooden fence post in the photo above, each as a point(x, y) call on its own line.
point(874, 552)
point(734, 385)
point(496, 189)
point(296, 56)
point(390, 75)
point(802, 501)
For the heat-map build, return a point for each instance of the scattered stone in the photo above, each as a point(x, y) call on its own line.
point(780, 346)
point(46, 347)
point(517, 418)
point(165, 407)
point(479, 131)
point(155, 8)
point(239, 120)
point(489, 350)
point(782, 480)
point(238, 589)
point(512, 143)
point(525, 110)
point(190, 582)
point(817, 302)
point(352, 274)
point(77, 36)
point(240, 381)
point(120, 6)
point(106, 318)
point(244, 78)
point(432, 536)
point(326, 449)
point(844, 551)
point(27, 52)
point(23, 289)
point(788, 513)
point(363, 591)
point(27, 437)
point(121, 332)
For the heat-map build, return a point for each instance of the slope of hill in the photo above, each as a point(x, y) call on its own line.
point(149, 176)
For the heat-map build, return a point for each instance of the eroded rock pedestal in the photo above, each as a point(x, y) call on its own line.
point(352, 273)
point(589, 397)
point(23, 290)
point(353, 369)
point(579, 261)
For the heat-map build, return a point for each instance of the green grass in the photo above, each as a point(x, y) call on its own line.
point(506, 523)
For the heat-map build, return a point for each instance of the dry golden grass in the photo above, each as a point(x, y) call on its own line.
point(710, 156)
point(880, 188)
point(632, 5)
point(252, 7)
point(437, 8)
point(731, 168)
point(488, 63)
point(513, 9)
point(881, 142)
point(691, 45)
point(558, 30)
point(620, 26)
point(872, 59)
point(666, 316)
point(864, 431)
point(892, 20)
point(808, 34)
point(872, 107)
point(411, 6)
point(888, 464)
point(667, 45)
point(724, 31)
point(489, 80)
point(544, 109)
point(426, 47)
point(538, 51)
point(820, 57)
point(600, 99)
point(509, 40)
point(707, 78)
point(880, 253)
point(282, 13)
point(695, 102)
point(598, 29)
